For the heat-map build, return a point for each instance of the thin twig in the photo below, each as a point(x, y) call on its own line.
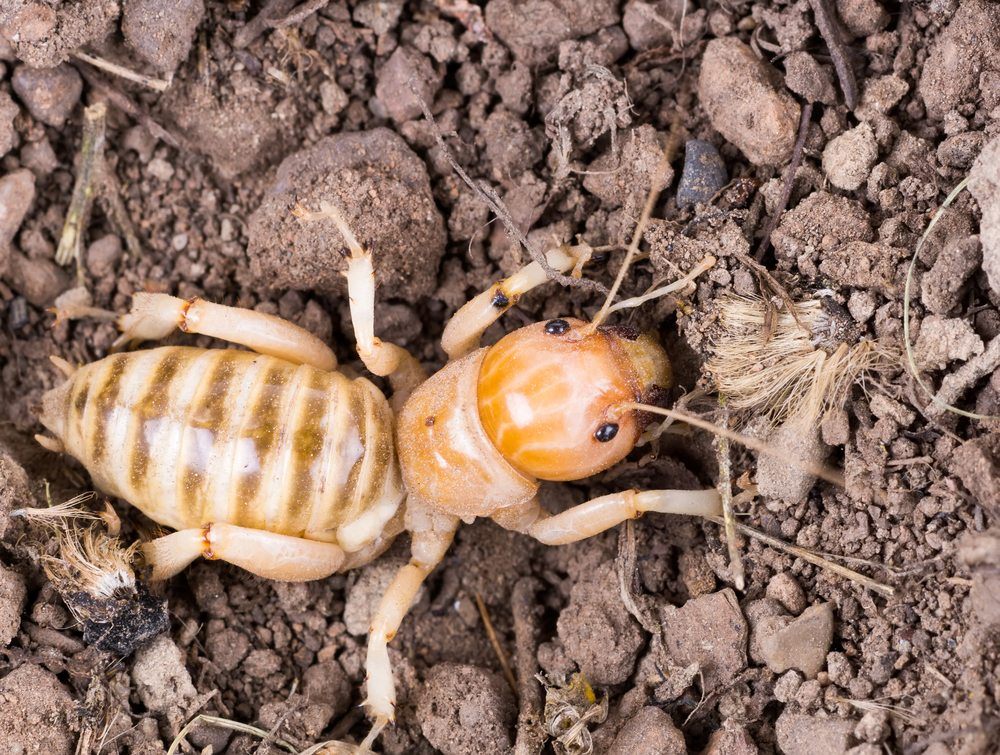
point(160, 85)
point(625, 566)
point(488, 195)
point(811, 557)
point(666, 157)
point(78, 214)
point(127, 105)
point(491, 633)
point(530, 718)
point(110, 195)
point(272, 11)
point(299, 14)
point(726, 494)
point(788, 181)
point(829, 29)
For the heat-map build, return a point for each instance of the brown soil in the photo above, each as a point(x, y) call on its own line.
point(561, 107)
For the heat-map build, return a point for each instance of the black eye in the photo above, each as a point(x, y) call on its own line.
point(556, 327)
point(606, 432)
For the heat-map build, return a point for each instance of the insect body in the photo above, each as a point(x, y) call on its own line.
point(277, 463)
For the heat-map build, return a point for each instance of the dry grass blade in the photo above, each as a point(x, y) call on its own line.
point(785, 375)
point(940, 402)
point(225, 723)
point(726, 494)
point(812, 558)
point(495, 642)
point(159, 85)
point(91, 160)
point(868, 705)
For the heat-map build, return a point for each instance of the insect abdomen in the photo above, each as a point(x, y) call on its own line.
point(192, 436)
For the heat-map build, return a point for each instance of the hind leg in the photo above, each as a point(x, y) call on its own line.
point(266, 554)
point(155, 316)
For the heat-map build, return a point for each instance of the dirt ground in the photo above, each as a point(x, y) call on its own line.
point(562, 107)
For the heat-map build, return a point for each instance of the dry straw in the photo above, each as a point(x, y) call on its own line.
point(791, 364)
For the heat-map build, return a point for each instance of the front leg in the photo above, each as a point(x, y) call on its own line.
point(431, 533)
point(465, 328)
point(405, 373)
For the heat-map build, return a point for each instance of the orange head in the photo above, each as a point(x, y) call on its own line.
point(550, 396)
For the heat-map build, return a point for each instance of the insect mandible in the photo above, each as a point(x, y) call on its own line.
point(273, 460)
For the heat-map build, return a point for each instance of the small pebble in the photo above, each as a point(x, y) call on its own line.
point(799, 734)
point(806, 77)
point(17, 313)
point(40, 281)
point(785, 589)
point(17, 192)
point(8, 112)
point(405, 68)
point(103, 254)
point(649, 732)
point(39, 157)
point(801, 644)
point(12, 594)
point(161, 32)
point(787, 686)
point(50, 94)
point(704, 173)
point(160, 169)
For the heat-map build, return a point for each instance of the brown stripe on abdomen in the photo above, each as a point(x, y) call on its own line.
point(206, 421)
point(106, 390)
point(152, 407)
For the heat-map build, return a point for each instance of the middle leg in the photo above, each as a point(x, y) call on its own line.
point(600, 514)
point(405, 373)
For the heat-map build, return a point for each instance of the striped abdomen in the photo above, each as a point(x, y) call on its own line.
point(193, 436)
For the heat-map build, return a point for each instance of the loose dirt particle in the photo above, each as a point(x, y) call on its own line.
point(598, 633)
point(731, 739)
point(8, 112)
point(848, 159)
point(709, 631)
point(977, 464)
point(799, 734)
point(239, 126)
point(968, 46)
point(382, 189)
point(942, 287)
point(369, 583)
point(40, 281)
point(161, 679)
point(406, 68)
point(533, 29)
point(43, 34)
point(160, 31)
point(649, 732)
point(17, 192)
point(747, 102)
point(624, 177)
point(50, 94)
point(944, 340)
point(465, 710)
point(103, 254)
point(862, 17)
point(984, 185)
point(785, 589)
point(13, 591)
point(806, 77)
point(779, 480)
point(35, 713)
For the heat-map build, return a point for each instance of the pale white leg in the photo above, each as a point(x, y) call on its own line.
point(405, 373)
point(266, 554)
point(597, 515)
point(431, 534)
point(155, 316)
point(465, 328)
